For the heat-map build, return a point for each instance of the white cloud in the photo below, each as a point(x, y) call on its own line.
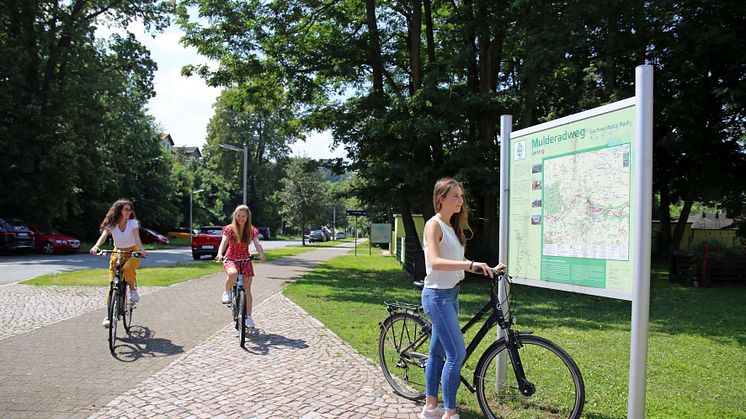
point(183, 105)
point(317, 146)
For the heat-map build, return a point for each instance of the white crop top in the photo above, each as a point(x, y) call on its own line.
point(124, 238)
point(450, 248)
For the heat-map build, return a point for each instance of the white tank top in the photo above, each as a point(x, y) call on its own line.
point(450, 248)
point(126, 238)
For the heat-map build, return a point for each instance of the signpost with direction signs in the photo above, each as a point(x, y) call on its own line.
point(356, 213)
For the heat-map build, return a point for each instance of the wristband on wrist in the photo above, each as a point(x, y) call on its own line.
point(471, 265)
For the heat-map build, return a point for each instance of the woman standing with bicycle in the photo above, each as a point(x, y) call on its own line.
point(120, 221)
point(236, 237)
point(444, 243)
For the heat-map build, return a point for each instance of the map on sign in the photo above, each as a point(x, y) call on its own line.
point(569, 208)
point(586, 204)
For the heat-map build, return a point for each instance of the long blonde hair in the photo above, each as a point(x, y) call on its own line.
point(459, 220)
point(244, 235)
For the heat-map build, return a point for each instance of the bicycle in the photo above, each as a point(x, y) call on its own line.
point(118, 306)
point(518, 376)
point(238, 301)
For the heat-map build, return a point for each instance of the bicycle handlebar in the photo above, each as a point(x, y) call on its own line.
point(495, 272)
point(102, 252)
point(252, 257)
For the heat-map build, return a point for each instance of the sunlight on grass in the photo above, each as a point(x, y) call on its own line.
point(153, 276)
point(156, 276)
point(696, 358)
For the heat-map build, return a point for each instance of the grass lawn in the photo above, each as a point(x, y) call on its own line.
point(155, 276)
point(697, 345)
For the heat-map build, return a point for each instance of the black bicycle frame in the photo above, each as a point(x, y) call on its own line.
point(119, 284)
point(496, 316)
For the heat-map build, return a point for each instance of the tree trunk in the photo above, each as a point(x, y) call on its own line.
point(529, 103)
point(406, 215)
point(678, 233)
point(415, 47)
point(374, 56)
point(429, 35)
point(664, 211)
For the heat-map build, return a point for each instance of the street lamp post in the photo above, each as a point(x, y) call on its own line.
point(191, 229)
point(245, 163)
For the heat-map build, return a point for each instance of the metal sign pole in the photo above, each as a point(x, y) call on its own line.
point(506, 128)
point(643, 182)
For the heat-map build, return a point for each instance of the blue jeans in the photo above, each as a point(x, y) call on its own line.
point(447, 349)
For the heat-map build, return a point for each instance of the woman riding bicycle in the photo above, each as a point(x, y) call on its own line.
point(236, 237)
point(124, 228)
point(444, 244)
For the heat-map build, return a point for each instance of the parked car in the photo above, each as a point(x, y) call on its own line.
point(179, 233)
point(340, 235)
point(15, 235)
point(206, 241)
point(264, 233)
point(148, 236)
point(47, 240)
point(316, 236)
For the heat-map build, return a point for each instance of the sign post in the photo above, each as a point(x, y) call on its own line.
point(356, 213)
point(575, 209)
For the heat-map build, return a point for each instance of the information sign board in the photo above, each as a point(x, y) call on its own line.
point(571, 194)
point(380, 233)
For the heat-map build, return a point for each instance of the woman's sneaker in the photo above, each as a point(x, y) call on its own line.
point(432, 413)
point(106, 323)
point(249, 322)
point(226, 298)
point(134, 296)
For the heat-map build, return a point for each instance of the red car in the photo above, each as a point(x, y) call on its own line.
point(148, 236)
point(48, 240)
point(206, 241)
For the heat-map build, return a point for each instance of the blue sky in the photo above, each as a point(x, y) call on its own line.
point(183, 105)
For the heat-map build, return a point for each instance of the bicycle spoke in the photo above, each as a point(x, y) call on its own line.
point(558, 390)
point(401, 334)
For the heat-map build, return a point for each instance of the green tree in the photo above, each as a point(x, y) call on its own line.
point(302, 195)
point(255, 117)
point(66, 100)
point(423, 82)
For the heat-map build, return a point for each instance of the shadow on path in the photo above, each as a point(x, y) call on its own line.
point(142, 343)
point(260, 343)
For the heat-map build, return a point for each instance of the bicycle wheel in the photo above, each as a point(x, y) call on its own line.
point(127, 308)
point(234, 308)
point(242, 316)
point(558, 388)
point(403, 346)
point(113, 311)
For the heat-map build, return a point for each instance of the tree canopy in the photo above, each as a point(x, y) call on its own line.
point(414, 89)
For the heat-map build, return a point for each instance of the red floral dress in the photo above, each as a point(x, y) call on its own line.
point(238, 251)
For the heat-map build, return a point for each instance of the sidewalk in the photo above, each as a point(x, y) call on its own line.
point(295, 368)
point(184, 360)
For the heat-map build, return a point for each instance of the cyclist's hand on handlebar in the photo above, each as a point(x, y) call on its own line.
point(262, 258)
point(500, 267)
point(482, 268)
point(94, 250)
point(218, 258)
point(143, 253)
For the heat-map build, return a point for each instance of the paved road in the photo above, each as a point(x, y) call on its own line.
point(65, 369)
point(22, 267)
